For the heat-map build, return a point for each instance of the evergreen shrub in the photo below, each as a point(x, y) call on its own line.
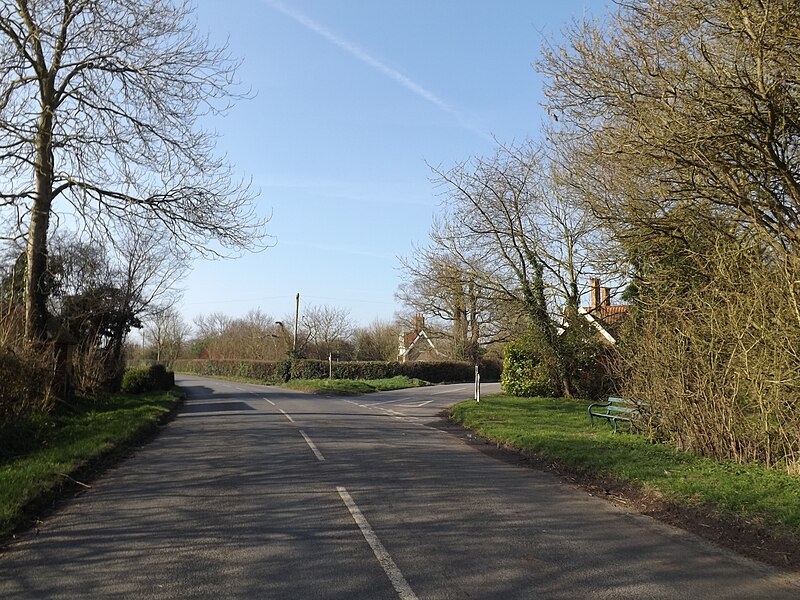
point(524, 374)
point(136, 381)
point(147, 379)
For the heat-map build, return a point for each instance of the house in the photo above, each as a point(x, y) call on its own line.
point(604, 316)
point(416, 344)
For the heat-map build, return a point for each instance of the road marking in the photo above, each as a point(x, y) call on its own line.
point(270, 401)
point(450, 391)
point(357, 404)
point(285, 414)
point(311, 445)
point(414, 405)
point(390, 401)
point(392, 571)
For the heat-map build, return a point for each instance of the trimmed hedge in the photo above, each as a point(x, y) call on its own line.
point(147, 379)
point(281, 371)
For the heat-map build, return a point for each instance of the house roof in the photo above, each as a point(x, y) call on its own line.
point(606, 319)
point(412, 338)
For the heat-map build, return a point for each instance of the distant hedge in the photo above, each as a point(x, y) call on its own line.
point(281, 371)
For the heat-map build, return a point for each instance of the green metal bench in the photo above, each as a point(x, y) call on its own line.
point(615, 410)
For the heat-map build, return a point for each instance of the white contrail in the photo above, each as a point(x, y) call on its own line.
point(373, 62)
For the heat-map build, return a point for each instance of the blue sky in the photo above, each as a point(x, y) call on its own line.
point(353, 100)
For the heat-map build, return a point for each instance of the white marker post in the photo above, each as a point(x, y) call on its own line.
point(477, 384)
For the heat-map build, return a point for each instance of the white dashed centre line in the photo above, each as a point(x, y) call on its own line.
point(285, 414)
point(392, 571)
point(311, 445)
point(270, 401)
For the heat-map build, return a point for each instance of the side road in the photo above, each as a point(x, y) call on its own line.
point(256, 492)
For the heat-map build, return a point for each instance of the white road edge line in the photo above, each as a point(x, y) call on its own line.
point(403, 399)
point(285, 414)
point(450, 391)
point(270, 401)
point(420, 405)
point(311, 445)
point(392, 571)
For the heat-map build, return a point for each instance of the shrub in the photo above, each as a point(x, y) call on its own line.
point(23, 384)
point(160, 378)
point(147, 379)
point(136, 381)
point(524, 374)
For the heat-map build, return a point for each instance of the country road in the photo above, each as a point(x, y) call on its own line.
point(259, 492)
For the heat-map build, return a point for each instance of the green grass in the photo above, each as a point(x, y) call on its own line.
point(558, 430)
point(41, 454)
point(352, 387)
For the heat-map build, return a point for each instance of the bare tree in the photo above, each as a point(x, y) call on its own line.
point(376, 341)
point(520, 240)
point(674, 111)
point(254, 336)
point(211, 326)
point(328, 330)
point(461, 308)
point(137, 261)
point(100, 292)
point(168, 333)
point(100, 104)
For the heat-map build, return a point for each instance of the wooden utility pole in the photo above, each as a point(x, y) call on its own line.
point(296, 319)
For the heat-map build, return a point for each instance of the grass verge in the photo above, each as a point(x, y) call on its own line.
point(352, 387)
point(47, 454)
point(558, 431)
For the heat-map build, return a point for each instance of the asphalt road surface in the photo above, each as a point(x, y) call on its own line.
point(259, 492)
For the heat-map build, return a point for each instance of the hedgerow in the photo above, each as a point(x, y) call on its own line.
point(281, 371)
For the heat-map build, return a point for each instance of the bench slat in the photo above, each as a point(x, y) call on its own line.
point(616, 409)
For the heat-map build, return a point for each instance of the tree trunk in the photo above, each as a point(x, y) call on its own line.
point(36, 288)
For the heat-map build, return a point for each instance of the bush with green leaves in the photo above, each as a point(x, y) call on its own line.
point(135, 381)
point(524, 373)
point(160, 378)
point(147, 379)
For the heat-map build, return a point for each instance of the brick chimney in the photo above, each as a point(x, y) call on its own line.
point(418, 323)
point(595, 285)
point(606, 296)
